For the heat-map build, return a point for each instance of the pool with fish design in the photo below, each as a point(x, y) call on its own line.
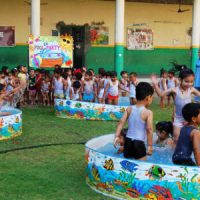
point(157, 178)
point(10, 123)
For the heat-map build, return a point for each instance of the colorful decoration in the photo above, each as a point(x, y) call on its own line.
point(48, 51)
point(126, 179)
point(90, 111)
point(10, 125)
point(99, 35)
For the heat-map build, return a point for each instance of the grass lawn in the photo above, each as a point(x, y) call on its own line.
point(57, 171)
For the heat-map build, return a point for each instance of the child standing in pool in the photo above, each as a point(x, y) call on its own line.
point(189, 139)
point(182, 96)
point(140, 124)
point(113, 89)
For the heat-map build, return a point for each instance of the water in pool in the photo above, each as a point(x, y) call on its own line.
point(6, 112)
point(161, 155)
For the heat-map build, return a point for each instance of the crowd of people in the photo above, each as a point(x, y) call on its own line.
point(20, 86)
point(41, 87)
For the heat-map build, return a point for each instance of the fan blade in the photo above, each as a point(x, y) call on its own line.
point(180, 11)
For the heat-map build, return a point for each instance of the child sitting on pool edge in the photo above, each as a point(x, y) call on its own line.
point(164, 131)
point(189, 139)
point(140, 124)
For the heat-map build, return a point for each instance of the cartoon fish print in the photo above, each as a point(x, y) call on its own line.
point(109, 165)
point(78, 105)
point(122, 109)
point(129, 166)
point(132, 192)
point(61, 103)
point(68, 103)
point(17, 120)
point(156, 172)
point(95, 172)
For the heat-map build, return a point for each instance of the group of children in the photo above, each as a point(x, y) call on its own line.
point(182, 133)
point(41, 87)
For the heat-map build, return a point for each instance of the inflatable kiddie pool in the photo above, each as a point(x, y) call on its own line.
point(10, 123)
point(157, 178)
point(90, 111)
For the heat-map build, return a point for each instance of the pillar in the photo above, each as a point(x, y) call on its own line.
point(35, 17)
point(119, 36)
point(195, 33)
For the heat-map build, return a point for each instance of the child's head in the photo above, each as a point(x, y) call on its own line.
point(32, 72)
point(88, 75)
point(68, 71)
point(133, 76)
point(186, 78)
point(113, 75)
point(5, 70)
point(78, 76)
point(76, 85)
point(191, 113)
point(163, 73)
point(124, 75)
point(171, 73)
point(57, 72)
point(144, 92)
point(101, 72)
point(164, 129)
point(21, 68)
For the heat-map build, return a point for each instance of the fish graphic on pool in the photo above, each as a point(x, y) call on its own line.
point(129, 166)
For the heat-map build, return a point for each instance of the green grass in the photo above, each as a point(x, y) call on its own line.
point(54, 172)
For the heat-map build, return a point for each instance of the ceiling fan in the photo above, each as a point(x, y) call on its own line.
point(42, 4)
point(179, 9)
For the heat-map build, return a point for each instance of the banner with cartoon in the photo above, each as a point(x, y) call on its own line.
point(139, 39)
point(48, 51)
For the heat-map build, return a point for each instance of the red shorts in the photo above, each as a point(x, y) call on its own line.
point(112, 97)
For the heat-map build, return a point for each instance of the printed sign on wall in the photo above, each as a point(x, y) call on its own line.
point(7, 36)
point(48, 51)
point(139, 39)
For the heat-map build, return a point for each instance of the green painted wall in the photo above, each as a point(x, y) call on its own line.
point(13, 56)
point(142, 62)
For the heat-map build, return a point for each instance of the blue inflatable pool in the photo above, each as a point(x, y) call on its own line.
point(157, 178)
point(10, 123)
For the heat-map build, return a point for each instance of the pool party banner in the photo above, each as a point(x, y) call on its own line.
point(139, 39)
point(48, 51)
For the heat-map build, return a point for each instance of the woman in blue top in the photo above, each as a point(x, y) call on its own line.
point(189, 139)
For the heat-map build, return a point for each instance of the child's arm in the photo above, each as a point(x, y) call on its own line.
point(195, 92)
point(157, 89)
point(106, 89)
point(65, 84)
point(70, 94)
point(149, 130)
point(121, 125)
point(196, 145)
point(164, 84)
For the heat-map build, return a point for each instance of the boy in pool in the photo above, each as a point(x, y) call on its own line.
point(189, 139)
point(164, 131)
point(140, 124)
